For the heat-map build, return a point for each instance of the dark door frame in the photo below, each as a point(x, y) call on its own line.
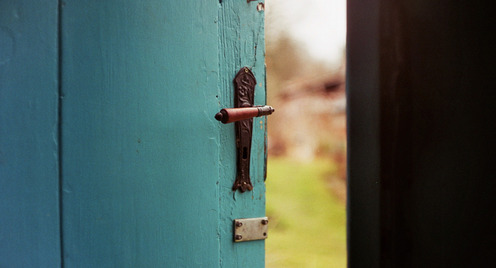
point(421, 177)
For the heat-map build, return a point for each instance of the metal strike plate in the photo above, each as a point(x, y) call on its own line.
point(250, 229)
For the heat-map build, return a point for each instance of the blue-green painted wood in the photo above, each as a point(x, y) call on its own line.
point(29, 203)
point(242, 43)
point(147, 170)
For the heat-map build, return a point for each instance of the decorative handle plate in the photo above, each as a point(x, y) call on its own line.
point(242, 114)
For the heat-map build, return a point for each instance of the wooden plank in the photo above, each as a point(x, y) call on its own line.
point(141, 145)
point(363, 123)
point(241, 33)
point(29, 203)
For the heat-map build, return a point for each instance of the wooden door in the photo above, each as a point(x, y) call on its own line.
point(29, 159)
point(143, 169)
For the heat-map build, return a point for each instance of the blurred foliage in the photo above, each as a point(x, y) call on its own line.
point(283, 63)
point(305, 200)
point(286, 60)
point(307, 221)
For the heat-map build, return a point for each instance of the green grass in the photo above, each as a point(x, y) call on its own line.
point(307, 222)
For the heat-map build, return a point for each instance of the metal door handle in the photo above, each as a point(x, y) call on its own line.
point(230, 115)
point(242, 114)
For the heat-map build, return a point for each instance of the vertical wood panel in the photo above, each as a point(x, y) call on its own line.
point(29, 204)
point(241, 33)
point(141, 146)
point(363, 108)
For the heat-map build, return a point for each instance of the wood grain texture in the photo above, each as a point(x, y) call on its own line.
point(147, 170)
point(29, 203)
point(241, 32)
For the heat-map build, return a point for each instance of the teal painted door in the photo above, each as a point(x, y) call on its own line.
point(126, 165)
point(29, 162)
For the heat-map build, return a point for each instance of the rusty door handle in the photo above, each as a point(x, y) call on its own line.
point(242, 114)
point(230, 115)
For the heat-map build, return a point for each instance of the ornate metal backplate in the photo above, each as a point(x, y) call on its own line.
point(244, 86)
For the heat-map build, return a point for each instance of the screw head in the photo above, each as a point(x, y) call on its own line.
point(239, 224)
point(238, 237)
point(264, 222)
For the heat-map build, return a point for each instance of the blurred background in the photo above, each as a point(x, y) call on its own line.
point(306, 182)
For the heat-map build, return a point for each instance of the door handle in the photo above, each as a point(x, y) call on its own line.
point(242, 115)
point(230, 115)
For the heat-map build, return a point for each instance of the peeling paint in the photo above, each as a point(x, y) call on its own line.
point(260, 7)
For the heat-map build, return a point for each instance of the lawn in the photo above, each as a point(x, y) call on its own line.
point(307, 221)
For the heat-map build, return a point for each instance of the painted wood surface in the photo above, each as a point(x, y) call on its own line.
point(241, 33)
point(29, 181)
point(146, 169)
